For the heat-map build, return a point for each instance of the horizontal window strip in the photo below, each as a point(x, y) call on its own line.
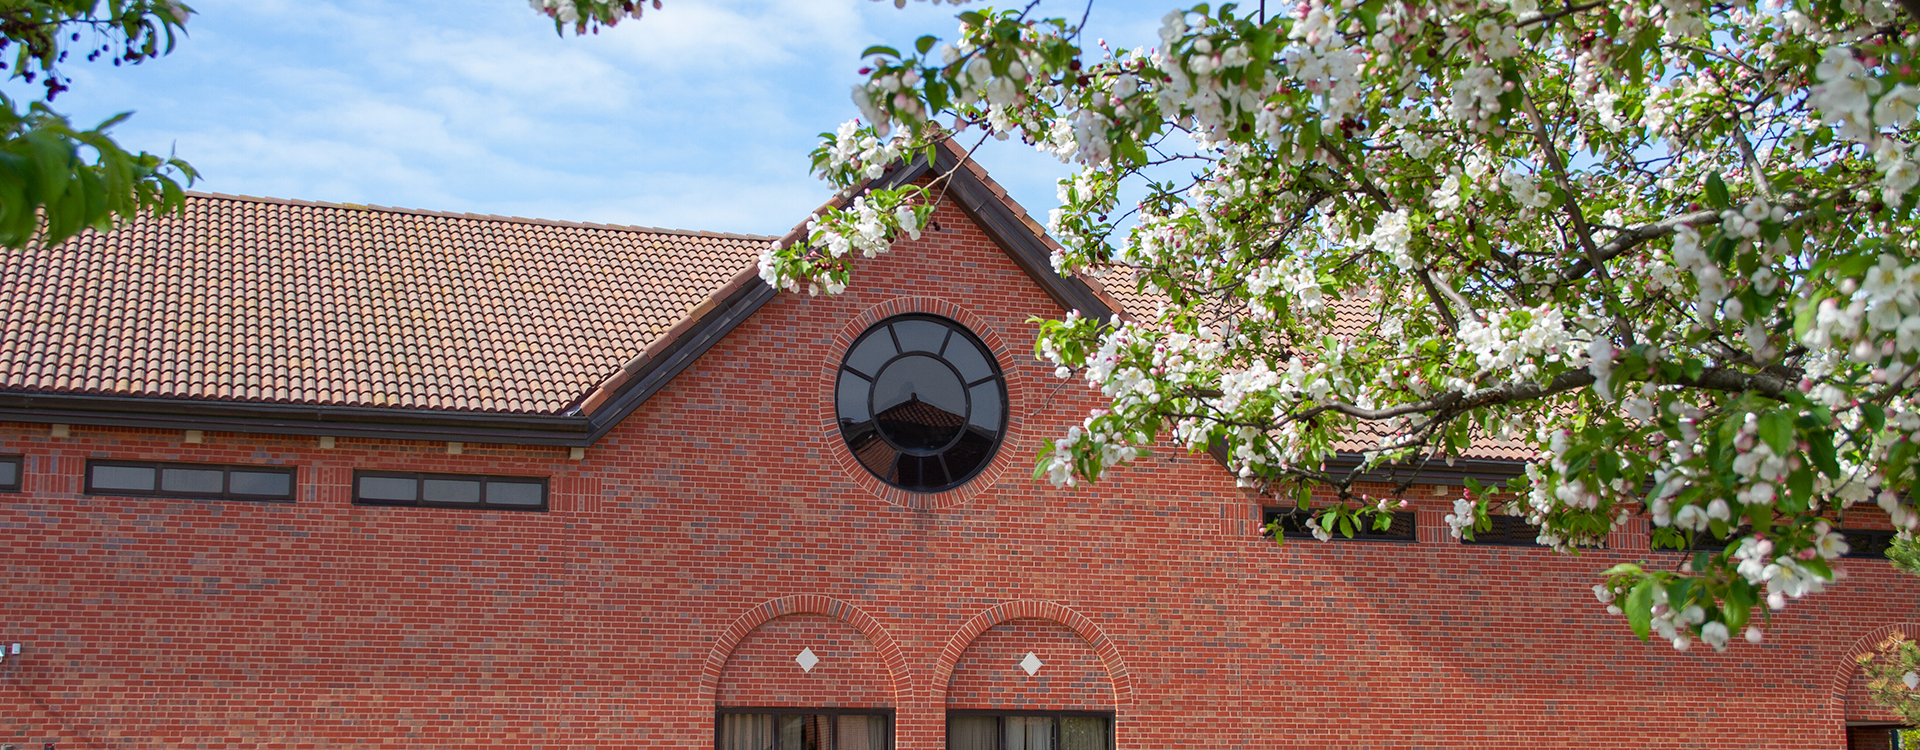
point(429, 490)
point(272, 484)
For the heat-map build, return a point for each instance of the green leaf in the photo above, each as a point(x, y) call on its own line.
point(880, 49)
point(1738, 603)
point(1622, 569)
point(1776, 428)
point(1819, 567)
point(936, 94)
point(924, 44)
point(1820, 449)
point(1639, 608)
point(1716, 192)
point(1875, 416)
point(1799, 491)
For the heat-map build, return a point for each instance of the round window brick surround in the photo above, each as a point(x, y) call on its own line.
point(920, 409)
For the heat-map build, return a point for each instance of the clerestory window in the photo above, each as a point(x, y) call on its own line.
point(449, 490)
point(191, 481)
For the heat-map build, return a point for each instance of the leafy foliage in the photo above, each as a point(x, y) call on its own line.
point(1668, 247)
point(1905, 555)
point(1893, 676)
point(48, 188)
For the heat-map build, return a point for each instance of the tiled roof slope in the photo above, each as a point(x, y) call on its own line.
point(248, 299)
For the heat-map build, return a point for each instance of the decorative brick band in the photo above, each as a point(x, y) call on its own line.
point(1850, 660)
point(1042, 610)
point(806, 604)
point(830, 423)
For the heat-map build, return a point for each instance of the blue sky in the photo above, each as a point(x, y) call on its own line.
point(698, 116)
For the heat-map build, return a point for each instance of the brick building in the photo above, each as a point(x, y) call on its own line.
point(286, 474)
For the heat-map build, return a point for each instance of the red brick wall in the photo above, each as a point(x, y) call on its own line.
point(762, 671)
point(157, 623)
point(988, 675)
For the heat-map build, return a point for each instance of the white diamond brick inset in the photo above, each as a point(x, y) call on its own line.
point(1032, 664)
point(807, 659)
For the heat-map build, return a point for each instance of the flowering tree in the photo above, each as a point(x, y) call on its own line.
point(1669, 245)
point(48, 190)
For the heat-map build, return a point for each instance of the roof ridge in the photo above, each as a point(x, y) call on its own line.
point(480, 217)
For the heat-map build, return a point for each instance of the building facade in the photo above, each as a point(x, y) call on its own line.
point(305, 475)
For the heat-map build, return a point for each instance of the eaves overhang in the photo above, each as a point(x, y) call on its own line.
point(599, 411)
point(295, 419)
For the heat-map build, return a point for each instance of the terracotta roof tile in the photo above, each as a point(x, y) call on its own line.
point(251, 299)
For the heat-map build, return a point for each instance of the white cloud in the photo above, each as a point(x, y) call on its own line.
point(697, 116)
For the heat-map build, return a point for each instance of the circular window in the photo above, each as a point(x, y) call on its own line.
point(921, 403)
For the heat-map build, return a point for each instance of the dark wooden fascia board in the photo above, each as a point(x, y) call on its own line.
point(294, 419)
point(661, 370)
point(1019, 242)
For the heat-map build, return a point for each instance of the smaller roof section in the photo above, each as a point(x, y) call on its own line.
point(293, 302)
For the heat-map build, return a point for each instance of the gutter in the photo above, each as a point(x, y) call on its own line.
point(296, 419)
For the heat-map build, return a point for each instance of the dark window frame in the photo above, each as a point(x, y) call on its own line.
point(19, 472)
point(1504, 527)
point(1705, 541)
point(1879, 539)
point(1293, 526)
point(1002, 713)
point(720, 711)
point(859, 436)
point(226, 481)
point(546, 490)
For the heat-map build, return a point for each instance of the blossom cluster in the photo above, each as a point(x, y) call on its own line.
point(1668, 246)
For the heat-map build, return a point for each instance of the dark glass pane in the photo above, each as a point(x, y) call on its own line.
point(193, 480)
point(123, 478)
point(1083, 733)
point(970, 361)
point(872, 353)
point(920, 403)
point(973, 733)
point(850, 399)
point(1027, 732)
point(986, 406)
point(1868, 543)
point(1507, 530)
point(387, 488)
point(515, 493)
point(793, 733)
point(856, 732)
point(873, 453)
point(746, 731)
point(920, 472)
point(920, 335)
point(450, 490)
point(969, 455)
point(9, 472)
point(263, 483)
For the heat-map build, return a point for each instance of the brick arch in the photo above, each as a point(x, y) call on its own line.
point(1080, 624)
point(1850, 660)
point(806, 604)
point(1010, 444)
